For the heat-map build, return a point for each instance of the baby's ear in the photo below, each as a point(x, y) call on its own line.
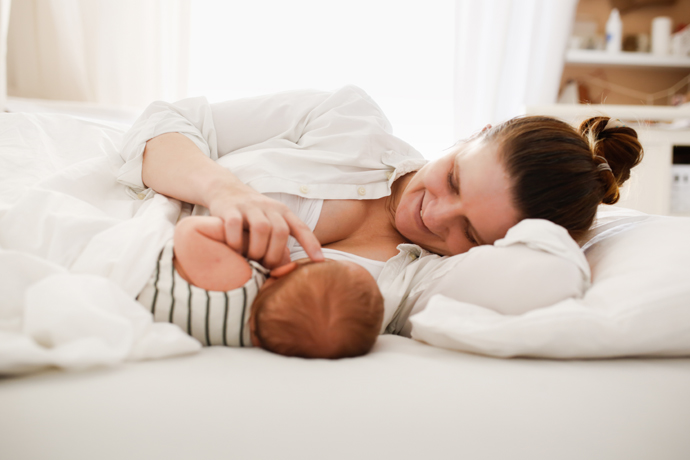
point(283, 270)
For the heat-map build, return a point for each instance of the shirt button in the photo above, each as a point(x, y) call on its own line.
point(141, 195)
point(304, 189)
point(362, 191)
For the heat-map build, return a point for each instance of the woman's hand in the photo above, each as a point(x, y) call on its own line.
point(174, 166)
point(267, 222)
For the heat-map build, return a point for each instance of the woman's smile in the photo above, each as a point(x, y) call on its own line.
point(420, 216)
point(458, 201)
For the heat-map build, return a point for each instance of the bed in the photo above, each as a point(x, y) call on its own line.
point(404, 400)
point(150, 392)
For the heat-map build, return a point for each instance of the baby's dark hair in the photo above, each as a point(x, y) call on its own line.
point(562, 174)
point(320, 310)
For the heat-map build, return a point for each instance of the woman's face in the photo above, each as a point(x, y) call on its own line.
point(464, 198)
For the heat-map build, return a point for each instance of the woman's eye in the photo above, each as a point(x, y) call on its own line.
point(451, 184)
point(470, 238)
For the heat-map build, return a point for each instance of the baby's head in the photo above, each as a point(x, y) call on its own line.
point(330, 309)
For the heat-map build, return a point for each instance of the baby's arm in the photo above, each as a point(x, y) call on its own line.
point(203, 258)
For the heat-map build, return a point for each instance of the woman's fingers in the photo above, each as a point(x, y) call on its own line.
point(268, 236)
point(260, 229)
point(305, 237)
point(267, 223)
point(233, 223)
point(277, 244)
point(286, 257)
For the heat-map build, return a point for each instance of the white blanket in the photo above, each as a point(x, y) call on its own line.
point(75, 249)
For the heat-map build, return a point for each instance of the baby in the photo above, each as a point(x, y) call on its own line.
point(330, 309)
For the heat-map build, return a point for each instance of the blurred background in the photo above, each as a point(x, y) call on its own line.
point(440, 69)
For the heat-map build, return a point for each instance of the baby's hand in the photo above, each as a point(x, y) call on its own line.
point(204, 259)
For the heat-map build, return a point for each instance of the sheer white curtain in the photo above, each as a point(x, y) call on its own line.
point(117, 52)
point(440, 70)
point(398, 51)
point(4, 25)
point(509, 54)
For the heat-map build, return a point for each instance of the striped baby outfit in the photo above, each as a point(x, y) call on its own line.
point(211, 317)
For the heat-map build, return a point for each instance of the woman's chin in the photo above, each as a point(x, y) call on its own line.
point(416, 236)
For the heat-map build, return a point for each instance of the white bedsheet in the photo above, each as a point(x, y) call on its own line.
point(75, 249)
point(404, 400)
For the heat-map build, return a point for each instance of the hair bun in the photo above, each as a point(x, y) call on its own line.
point(615, 144)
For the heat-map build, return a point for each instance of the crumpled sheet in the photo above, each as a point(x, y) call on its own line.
point(75, 249)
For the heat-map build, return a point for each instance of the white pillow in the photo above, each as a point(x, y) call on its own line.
point(639, 302)
point(536, 265)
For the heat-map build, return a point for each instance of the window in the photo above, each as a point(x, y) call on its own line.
point(400, 52)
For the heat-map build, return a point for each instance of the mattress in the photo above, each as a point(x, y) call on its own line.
point(405, 400)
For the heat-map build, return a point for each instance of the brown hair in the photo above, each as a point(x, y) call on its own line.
point(320, 310)
point(559, 173)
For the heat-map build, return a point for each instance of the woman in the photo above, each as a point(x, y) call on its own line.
point(377, 191)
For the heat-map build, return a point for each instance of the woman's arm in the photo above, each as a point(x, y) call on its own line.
point(173, 165)
point(202, 257)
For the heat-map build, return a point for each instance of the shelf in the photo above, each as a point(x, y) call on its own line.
point(624, 112)
point(625, 59)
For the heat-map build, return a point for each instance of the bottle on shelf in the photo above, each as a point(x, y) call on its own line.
point(614, 32)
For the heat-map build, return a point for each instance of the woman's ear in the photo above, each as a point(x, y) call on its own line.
point(486, 127)
point(283, 270)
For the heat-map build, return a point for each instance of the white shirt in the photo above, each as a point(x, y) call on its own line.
point(309, 210)
point(312, 144)
point(339, 145)
point(309, 144)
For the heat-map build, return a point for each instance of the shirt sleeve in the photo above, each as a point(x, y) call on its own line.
point(242, 122)
point(252, 121)
point(346, 124)
point(190, 117)
point(535, 266)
